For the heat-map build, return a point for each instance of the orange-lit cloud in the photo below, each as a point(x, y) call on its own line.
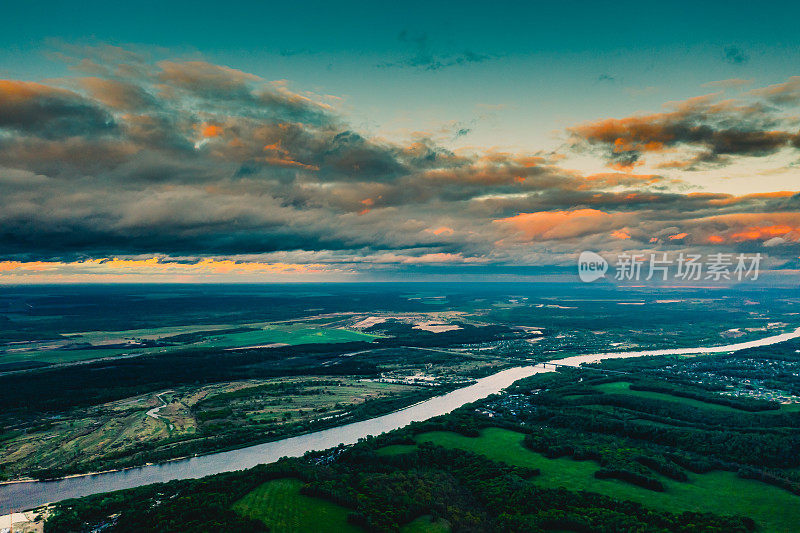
point(443, 230)
point(30, 266)
point(15, 92)
point(118, 94)
point(712, 131)
point(549, 225)
point(763, 232)
point(741, 227)
point(211, 130)
point(155, 267)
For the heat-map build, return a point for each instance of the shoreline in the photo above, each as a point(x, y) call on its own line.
point(320, 427)
point(246, 457)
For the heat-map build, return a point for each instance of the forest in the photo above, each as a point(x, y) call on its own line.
point(579, 415)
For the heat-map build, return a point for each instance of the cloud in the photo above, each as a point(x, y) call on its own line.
point(715, 130)
point(727, 84)
point(786, 93)
point(432, 258)
point(49, 112)
point(742, 228)
point(220, 171)
point(553, 225)
point(114, 269)
point(117, 94)
point(205, 79)
point(775, 241)
point(735, 55)
point(423, 56)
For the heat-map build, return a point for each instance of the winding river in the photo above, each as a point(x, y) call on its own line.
point(26, 495)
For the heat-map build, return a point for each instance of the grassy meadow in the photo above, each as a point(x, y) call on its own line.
point(724, 493)
point(283, 509)
point(623, 387)
point(82, 346)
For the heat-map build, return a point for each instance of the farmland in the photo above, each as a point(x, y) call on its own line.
point(191, 418)
point(83, 346)
point(202, 370)
point(622, 387)
point(722, 493)
point(283, 509)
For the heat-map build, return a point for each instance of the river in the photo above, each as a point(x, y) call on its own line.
point(26, 495)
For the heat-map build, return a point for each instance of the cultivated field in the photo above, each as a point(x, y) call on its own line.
point(623, 387)
point(724, 493)
point(283, 509)
point(120, 433)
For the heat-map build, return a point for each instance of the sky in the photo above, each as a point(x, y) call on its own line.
point(178, 141)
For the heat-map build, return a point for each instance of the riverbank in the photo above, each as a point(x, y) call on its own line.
point(32, 494)
point(27, 522)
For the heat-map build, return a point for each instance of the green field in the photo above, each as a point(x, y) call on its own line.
point(723, 493)
point(396, 449)
point(287, 334)
point(426, 524)
point(70, 356)
point(101, 437)
point(623, 387)
point(283, 509)
point(208, 336)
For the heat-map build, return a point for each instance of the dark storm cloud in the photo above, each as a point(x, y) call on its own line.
point(191, 159)
point(719, 130)
point(349, 154)
point(32, 108)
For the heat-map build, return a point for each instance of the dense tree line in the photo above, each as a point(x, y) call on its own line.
point(470, 491)
point(175, 507)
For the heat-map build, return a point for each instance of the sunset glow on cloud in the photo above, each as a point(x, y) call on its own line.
point(115, 269)
point(152, 163)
